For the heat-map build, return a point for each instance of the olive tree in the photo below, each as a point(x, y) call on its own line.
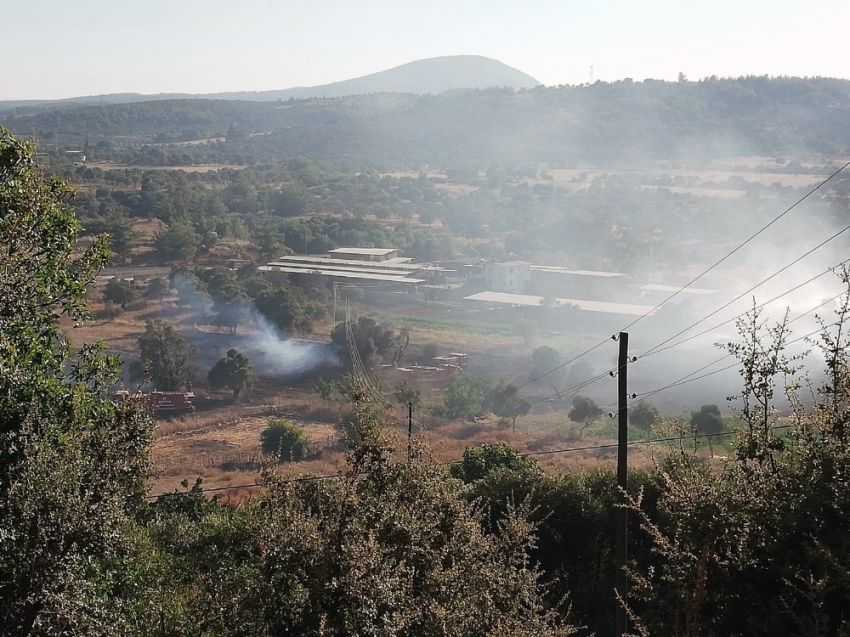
point(233, 372)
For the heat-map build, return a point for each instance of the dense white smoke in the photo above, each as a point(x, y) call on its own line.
point(270, 351)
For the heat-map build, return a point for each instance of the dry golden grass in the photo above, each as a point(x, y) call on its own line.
point(223, 445)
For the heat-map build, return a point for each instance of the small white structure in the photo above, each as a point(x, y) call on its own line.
point(510, 276)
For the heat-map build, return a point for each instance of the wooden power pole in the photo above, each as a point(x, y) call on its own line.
point(409, 431)
point(622, 584)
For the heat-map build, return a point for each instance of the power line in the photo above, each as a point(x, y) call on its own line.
point(703, 273)
point(740, 246)
point(562, 365)
point(687, 379)
point(740, 296)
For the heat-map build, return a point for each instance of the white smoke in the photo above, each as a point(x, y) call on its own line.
point(270, 351)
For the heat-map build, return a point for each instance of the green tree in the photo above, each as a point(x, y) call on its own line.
point(406, 394)
point(290, 201)
point(120, 292)
point(546, 367)
point(284, 440)
point(119, 227)
point(327, 389)
point(282, 308)
point(527, 330)
point(374, 341)
point(233, 372)
point(643, 415)
point(466, 395)
point(584, 410)
point(745, 537)
point(509, 403)
point(165, 355)
point(230, 306)
point(577, 373)
point(270, 239)
point(73, 465)
point(707, 422)
point(157, 289)
point(177, 242)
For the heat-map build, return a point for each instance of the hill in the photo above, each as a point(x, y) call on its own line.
point(432, 75)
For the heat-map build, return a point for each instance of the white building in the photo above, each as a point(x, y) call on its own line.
point(510, 276)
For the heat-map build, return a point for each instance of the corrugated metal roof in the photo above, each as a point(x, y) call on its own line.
point(373, 252)
point(343, 274)
point(561, 270)
point(531, 300)
point(657, 287)
point(351, 264)
point(310, 267)
point(328, 261)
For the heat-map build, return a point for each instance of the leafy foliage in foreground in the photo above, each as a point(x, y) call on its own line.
point(387, 548)
point(72, 465)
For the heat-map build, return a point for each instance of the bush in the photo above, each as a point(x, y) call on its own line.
point(109, 311)
point(284, 440)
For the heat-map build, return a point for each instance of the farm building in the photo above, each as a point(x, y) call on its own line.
point(560, 280)
point(510, 276)
point(365, 254)
point(530, 300)
point(380, 266)
point(522, 277)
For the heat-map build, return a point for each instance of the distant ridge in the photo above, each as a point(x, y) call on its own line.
point(431, 75)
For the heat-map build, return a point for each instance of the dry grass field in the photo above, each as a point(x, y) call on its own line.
point(223, 447)
point(710, 183)
point(203, 168)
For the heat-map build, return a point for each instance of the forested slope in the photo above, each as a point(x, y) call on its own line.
point(620, 123)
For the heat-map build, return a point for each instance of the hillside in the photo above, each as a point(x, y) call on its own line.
point(421, 77)
point(622, 123)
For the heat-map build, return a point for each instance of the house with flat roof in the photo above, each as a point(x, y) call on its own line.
point(508, 276)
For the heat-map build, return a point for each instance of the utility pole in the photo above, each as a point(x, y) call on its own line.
point(622, 584)
point(335, 288)
point(409, 431)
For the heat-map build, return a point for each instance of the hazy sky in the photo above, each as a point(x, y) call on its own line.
point(62, 48)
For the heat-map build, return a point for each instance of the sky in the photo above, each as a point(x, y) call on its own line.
point(57, 48)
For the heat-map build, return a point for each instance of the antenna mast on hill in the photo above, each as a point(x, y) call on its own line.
point(590, 77)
